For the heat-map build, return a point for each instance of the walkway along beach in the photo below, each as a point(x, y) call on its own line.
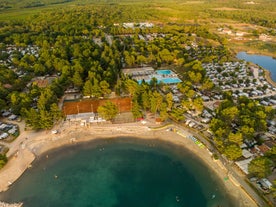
point(32, 144)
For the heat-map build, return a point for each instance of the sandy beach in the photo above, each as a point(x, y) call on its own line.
point(31, 144)
point(10, 205)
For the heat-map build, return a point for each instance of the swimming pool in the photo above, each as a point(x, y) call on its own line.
point(165, 76)
point(163, 72)
point(164, 80)
point(170, 80)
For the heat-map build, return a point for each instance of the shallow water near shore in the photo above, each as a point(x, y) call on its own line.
point(119, 172)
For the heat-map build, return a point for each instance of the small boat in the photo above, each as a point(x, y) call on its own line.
point(213, 196)
point(177, 198)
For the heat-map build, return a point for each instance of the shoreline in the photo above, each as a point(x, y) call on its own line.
point(42, 142)
point(267, 73)
point(268, 78)
point(253, 52)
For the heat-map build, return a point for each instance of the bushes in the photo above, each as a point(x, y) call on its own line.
point(3, 160)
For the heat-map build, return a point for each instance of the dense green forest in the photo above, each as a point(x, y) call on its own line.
point(86, 50)
point(158, 10)
point(85, 46)
point(212, 13)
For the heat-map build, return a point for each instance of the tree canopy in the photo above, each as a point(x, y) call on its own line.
point(260, 167)
point(108, 111)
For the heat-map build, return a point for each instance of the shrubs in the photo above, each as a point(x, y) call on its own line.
point(3, 160)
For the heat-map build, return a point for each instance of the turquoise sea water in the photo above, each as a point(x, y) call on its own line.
point(266, 62)
point(122, 172)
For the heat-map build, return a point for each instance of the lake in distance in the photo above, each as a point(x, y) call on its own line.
point(266, 62)
point(121, 172)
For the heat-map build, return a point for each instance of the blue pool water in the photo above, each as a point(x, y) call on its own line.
point(163, 76)
point(163, 72)
point(121, 172)
point(171, 80)
point(164, 80)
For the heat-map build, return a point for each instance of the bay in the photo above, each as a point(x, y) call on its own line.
point(119, 172)
point(266, 62)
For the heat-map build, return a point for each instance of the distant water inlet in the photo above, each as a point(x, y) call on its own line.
point(266, 62)
point(120, 172)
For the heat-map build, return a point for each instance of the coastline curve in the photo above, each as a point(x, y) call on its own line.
point(72, 134)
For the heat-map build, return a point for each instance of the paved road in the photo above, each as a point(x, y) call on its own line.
point(14, 145)
point(228, 165)
point(233, 171)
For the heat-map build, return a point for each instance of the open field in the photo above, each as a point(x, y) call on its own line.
point(241, 46)
point(19, 13)
point(249, 41)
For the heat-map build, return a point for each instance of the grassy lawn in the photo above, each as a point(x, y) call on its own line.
point(255, 47)
point(22, 13)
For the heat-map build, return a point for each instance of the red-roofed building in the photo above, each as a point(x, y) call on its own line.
point(216, 104)
point(41, 83)
point(158, 120)
point(263, 148)
point(8, 86)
